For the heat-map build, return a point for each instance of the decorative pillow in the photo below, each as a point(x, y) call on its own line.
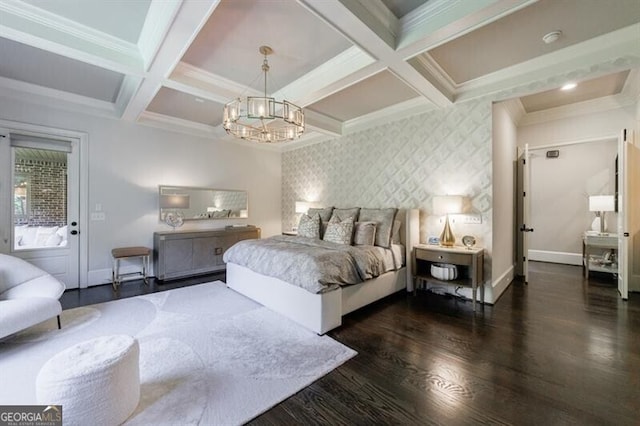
point(395, 232)
point(63, 232)
point(309, 226)
point(384, 223)
point(338, 231)
point(345, 213)
point(325, 214)
point(364, 234)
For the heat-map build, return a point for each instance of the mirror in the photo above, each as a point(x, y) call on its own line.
point(203, 203)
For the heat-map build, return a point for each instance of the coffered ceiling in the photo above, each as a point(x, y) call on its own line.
point(349, 63)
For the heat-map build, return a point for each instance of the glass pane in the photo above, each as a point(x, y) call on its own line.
point(39, 198)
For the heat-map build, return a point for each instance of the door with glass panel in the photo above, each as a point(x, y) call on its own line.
point(41, 204)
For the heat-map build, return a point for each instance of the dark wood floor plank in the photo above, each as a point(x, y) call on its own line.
point(561, 350)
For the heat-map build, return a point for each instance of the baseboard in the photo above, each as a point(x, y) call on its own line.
point(501, 284)
point(556, 257)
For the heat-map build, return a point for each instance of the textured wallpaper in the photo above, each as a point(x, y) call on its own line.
point(401, 164)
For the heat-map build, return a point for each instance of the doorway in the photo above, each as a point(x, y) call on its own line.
point(41, 208)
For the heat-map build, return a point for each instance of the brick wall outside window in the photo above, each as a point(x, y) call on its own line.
point(47, 191)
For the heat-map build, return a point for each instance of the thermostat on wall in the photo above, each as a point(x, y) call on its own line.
point(553, 154)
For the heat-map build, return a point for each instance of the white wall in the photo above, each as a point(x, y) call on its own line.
point(503, 231)
point(128, 161)
point(560, 190)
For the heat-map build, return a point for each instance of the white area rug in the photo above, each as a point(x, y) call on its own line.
point(208, 355)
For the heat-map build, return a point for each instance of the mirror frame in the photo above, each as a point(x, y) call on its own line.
point(208, 213)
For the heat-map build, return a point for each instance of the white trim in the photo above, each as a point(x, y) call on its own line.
point(128, 89)
point(499, 285)
point(433, 69)
point(604, 138)
point(22, 90)
point(395, 112)
point(197, 77)
point(383, 15)
point(63, 25)
point(187, 87)
point(311, 87)
point(555, 257)
point(83, 138)
point(156, 25)
point(515, 110)
point(323, 123)
point(592, 106)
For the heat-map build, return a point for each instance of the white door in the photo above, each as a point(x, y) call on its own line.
point(41, 202)
point(523, 209)
point(628, 215)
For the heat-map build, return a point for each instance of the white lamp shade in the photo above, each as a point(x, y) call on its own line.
point(174, 201)
point(447, 204)
point(302, 206)
point(601, 203)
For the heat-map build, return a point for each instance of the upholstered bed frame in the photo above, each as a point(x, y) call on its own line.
point(323, 312)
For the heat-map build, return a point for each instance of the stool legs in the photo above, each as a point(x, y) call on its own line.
point(116, 277)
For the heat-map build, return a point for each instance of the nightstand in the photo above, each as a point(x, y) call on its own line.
point(290, 233)
point(469, 263)
point(596, 240)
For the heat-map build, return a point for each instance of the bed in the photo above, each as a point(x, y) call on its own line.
point(321, 311)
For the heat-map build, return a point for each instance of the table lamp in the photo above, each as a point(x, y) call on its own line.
point(446, 205)
point(601, 204)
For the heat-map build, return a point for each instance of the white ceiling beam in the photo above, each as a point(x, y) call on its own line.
point(346, 22)
point(189, 20)
point(27, 24)
point(156, 25)
point(439, 21)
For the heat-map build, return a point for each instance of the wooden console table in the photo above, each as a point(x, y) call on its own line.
point(178, 254)
point(469, 262)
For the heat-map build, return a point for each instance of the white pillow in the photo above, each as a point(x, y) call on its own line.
point(53, 240)
point(44, 232)
point(28, 236)
point(63, 232)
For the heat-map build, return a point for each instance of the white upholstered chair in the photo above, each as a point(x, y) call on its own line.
point(28, 295)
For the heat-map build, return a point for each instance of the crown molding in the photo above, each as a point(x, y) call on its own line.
point(431, 70)
point(515, 109)
point(55, 99)
point(323, 123)
point(593, 106)
point(39, 28)
point(393, 113)
point(381, 13)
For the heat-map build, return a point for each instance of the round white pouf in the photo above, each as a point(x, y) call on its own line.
point(96, 382)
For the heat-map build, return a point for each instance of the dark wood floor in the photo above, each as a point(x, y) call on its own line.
point(560, 350)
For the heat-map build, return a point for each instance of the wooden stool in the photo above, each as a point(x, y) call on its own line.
point(126, 253)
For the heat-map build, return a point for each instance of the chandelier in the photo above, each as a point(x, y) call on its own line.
point(263, 119)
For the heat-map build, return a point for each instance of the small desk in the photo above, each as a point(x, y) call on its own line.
point(595, 240)
point(470, 274)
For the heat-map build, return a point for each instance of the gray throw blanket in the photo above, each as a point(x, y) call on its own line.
point(315, 265)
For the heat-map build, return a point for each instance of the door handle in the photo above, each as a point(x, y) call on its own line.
point(524, 228)
point(74, 232)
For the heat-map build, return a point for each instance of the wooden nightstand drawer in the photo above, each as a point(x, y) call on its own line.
point(443, 257)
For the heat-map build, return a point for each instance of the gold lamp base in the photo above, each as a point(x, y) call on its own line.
point(447, 239)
